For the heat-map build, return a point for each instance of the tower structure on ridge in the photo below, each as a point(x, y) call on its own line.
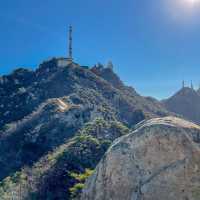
point(70, 55)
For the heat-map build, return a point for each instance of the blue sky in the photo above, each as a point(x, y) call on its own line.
point(154, 44)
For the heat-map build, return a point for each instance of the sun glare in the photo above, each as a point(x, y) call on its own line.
point(191, 4)
point(183, 11)
point(193, 1)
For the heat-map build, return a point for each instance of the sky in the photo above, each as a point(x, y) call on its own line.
point(153, 45)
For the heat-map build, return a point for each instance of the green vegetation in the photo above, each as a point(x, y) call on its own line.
point(5, 127)
point(80, 179)
point(67, 167)
point(15, 186)
point(76, 190)
point(101, 129)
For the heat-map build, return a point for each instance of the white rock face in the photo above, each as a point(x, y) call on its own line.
point(160, 160)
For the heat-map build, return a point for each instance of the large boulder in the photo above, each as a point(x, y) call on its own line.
point(160, 160)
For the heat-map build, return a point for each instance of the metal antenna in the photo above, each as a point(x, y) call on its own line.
point(70, 43)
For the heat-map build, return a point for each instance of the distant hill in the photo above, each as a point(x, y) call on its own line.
point(185, 102)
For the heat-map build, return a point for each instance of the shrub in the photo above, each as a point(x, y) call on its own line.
point(80, 180)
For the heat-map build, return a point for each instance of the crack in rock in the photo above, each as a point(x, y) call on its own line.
point(173, 165)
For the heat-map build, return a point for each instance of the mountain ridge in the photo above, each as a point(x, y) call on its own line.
point(60, 119)
point(44, 77)
point(45, 108)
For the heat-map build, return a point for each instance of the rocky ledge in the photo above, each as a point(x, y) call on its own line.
point(159, 160)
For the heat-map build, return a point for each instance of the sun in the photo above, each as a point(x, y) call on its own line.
point(193, 1)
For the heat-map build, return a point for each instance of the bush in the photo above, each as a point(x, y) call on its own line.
point(80, 180)
point(76, 190)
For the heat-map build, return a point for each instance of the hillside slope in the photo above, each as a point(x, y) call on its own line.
point(50, 177)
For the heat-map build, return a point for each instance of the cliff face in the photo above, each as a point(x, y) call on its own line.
point(159, 160)
point(185, 102)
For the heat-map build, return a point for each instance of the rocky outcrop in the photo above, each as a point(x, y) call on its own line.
point(159, 160)
point(109, 75)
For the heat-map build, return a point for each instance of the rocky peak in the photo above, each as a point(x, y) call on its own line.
point(108, 74)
